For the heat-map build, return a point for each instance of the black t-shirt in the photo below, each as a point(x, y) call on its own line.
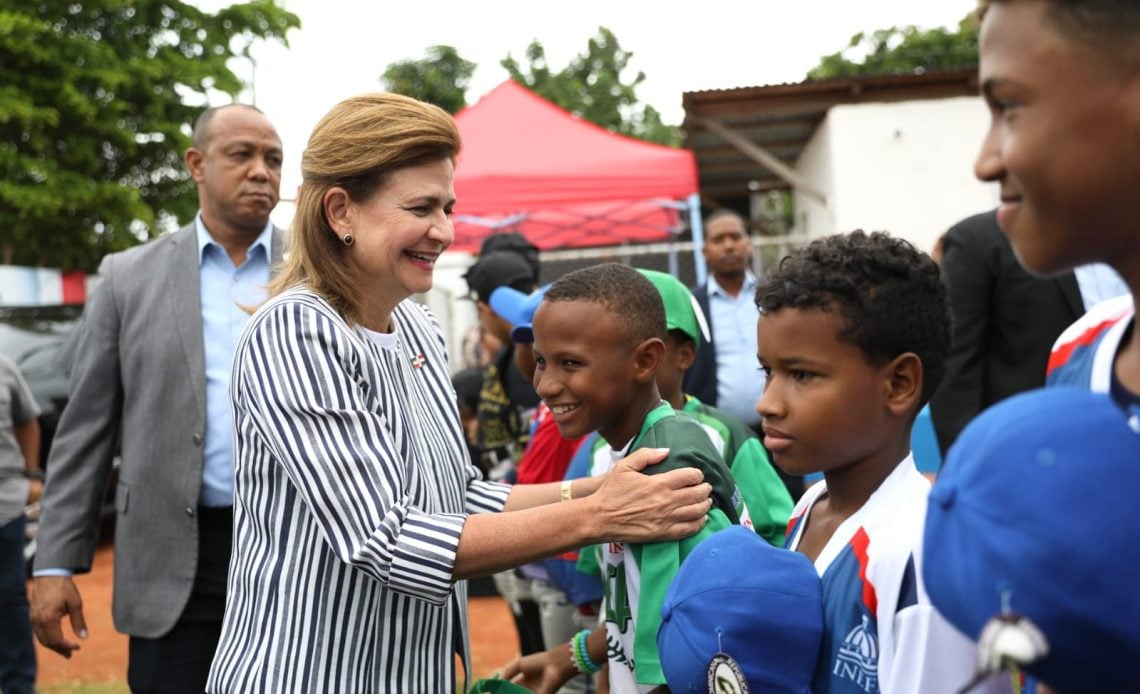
point(505, 403)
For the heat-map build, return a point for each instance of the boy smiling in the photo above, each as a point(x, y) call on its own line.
point(1062, 82)
point(598, 343)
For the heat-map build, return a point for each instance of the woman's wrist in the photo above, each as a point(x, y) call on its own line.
point(588, 524)
point(585, 486)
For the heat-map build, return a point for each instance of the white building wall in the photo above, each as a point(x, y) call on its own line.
point(903, 167)
point(815, 218)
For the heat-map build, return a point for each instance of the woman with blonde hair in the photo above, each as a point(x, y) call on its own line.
point(357, 512)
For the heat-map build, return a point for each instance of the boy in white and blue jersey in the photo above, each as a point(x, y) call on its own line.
point(852, 335)
point(1055, 76)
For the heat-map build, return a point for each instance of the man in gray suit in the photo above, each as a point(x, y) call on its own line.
point(150, 376)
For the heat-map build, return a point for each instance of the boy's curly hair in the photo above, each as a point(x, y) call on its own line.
point(889, 294)
point(625, 293)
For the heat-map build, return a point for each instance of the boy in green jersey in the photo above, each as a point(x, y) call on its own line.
point(769, 504)
point(599, 339)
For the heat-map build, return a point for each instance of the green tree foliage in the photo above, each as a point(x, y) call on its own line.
point(903, 50)
point(94, 119)
point(441, 78)
point(591, 87)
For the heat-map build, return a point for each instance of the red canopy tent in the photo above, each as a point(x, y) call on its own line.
point(529, 166)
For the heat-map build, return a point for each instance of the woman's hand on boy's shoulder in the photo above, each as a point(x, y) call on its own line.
point(631, 506)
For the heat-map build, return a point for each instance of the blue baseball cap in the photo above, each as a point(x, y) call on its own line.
point(1031, 539)
point(739, 608)
point(517, 308)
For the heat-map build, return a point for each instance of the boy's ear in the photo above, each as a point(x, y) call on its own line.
point(903, 381)
point(686, 354)
point(647, 358)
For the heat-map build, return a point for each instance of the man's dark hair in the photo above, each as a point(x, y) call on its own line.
point(726, 212)
point(623, 291)
point(889, 294)
point(201, 134)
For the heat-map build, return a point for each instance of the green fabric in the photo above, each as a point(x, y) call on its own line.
point(765, 495)
point(689, 446)
point(659, 563)
point(588, 561)
point(680, 305)
point(494, 685)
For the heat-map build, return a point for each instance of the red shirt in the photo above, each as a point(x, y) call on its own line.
point(547, 454)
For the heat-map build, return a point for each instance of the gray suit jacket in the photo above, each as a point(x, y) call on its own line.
point(137, 378)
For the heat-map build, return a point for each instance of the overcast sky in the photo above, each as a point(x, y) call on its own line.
point(344, 45)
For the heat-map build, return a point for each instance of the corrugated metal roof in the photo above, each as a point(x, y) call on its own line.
point(781, 118)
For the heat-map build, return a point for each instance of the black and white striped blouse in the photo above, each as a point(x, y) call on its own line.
point(352, 485)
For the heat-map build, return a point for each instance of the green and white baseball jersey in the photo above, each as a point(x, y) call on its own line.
point(769, 504)
point(637, 575)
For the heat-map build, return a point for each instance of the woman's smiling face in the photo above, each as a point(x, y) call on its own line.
point(400, 231)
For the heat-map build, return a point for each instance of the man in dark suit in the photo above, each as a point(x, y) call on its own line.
point(1005, 322)
point(150, 377)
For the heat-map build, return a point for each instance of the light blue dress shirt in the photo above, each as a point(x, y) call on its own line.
point(739, 380)
point(1098, 282)
point(225, 289)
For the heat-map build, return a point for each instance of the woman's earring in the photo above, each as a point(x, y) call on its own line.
point(347, 238)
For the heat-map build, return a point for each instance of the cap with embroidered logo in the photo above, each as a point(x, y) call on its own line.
point(740, 611)
point(1029, 539)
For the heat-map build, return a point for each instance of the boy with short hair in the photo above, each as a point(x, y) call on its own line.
point(1062, 82)
point(598, 342)
point(853, 333)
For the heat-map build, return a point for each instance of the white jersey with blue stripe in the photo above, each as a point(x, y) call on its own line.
point(881, 634)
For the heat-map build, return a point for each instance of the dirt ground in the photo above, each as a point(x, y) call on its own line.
point(102, 660)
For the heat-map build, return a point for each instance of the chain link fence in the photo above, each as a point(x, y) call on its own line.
point(673, 257)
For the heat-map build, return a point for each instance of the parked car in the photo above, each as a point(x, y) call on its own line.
point(34, 337)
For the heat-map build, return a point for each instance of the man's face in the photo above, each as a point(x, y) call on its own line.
point(239, 169)
point(1063, 143)
point(727, 246)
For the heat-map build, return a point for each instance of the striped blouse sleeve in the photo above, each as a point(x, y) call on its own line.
point(297, 376)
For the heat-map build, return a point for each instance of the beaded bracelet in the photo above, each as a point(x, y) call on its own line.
point(580, 656)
